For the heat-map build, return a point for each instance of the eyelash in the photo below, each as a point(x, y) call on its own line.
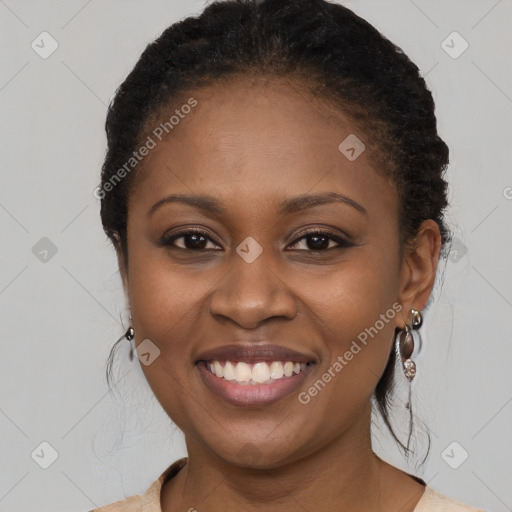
point(168, 241)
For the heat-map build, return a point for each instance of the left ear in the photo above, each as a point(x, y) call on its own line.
point(418, 272)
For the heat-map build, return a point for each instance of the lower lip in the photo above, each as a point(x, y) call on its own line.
point(252, 395)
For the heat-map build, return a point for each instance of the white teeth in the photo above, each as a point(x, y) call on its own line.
point(288, 369)
point(242, 372)
point(260, 372)
point(276, 370)
point(229, 371)
point(218, 369)
point(257, 373)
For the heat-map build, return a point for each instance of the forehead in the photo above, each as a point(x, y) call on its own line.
point(258, 141)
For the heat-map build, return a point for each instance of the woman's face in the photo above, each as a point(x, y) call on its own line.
point(252, 277)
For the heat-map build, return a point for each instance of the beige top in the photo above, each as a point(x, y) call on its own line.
point(431, 501)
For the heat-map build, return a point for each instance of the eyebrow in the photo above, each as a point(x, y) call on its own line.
point(295, 204)
point(305, 201)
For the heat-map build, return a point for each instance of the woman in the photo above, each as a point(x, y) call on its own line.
point(274, 191)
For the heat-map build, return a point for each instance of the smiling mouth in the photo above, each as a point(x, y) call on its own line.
point(253, 383)
point(262, 372)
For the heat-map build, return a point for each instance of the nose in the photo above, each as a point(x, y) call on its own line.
point(251, 293)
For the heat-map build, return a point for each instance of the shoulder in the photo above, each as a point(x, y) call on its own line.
point(149, 501)
point(131, 504)
point(433, 501)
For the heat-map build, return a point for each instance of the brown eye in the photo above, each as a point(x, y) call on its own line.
point(193, 240)
point(316, 242)
point(320, 240)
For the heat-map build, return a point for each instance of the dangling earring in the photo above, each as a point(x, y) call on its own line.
point(406, 344)
point(405, 348)
point(129, 335)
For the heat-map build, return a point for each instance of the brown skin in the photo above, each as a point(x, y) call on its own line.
point(252, 146)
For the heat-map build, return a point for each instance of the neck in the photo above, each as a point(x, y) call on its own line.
point(344, 474)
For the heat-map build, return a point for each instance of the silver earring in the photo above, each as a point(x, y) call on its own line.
point(405, 348)
point(405, 344)
point(129, 335)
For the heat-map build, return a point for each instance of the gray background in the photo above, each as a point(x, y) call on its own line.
point(60, 316)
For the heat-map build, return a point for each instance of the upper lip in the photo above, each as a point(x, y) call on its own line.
point(252, 353)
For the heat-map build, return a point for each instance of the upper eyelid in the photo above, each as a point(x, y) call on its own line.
point(324, 231)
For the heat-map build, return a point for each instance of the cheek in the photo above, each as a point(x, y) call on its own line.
point(161, 297)
point(355, 312)
point(166, 310)
point(351, 311)
point(169, 307)
point(352, 295)
point(165, 295)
